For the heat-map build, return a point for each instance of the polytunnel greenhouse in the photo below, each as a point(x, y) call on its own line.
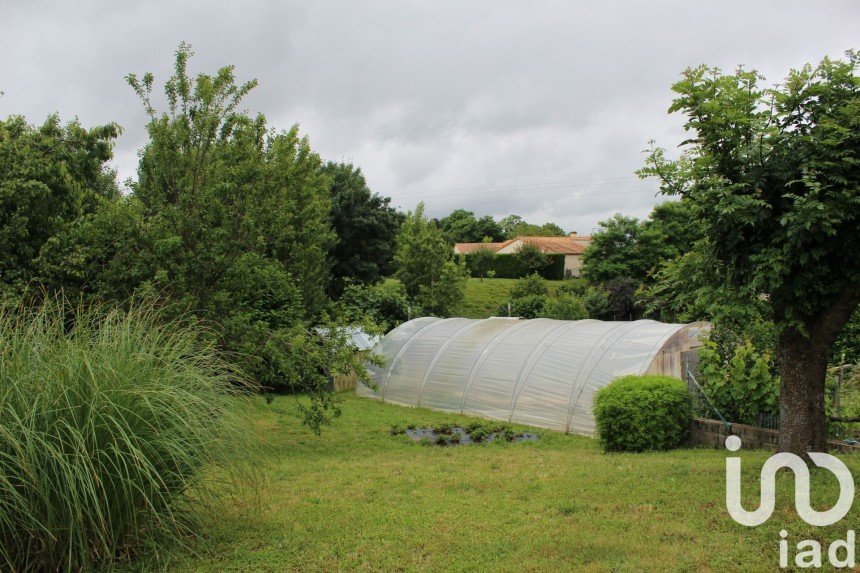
point(539, 372)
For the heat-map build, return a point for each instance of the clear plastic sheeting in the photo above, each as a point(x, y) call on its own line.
point(538, 372)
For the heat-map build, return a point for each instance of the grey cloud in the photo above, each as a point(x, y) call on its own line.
point(428, 97)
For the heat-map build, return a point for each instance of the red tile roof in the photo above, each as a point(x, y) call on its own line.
point(554, 245)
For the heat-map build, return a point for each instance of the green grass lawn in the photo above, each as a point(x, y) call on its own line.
point(357, 498)
point(482, 298)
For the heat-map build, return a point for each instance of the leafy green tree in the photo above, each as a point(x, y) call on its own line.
point(531, 257)
point(514, 226)
point(623, 247)
point(229, 221)
point(510, 224)
point(384, 303)
point(772, 174)
point(426, 266)
point(366, 227)
point(482, 260)
point(51, 176)
point(462, 226)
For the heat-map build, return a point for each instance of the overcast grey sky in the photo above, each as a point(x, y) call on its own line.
point(536, 108)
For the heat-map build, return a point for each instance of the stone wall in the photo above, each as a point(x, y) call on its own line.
point(713, 433)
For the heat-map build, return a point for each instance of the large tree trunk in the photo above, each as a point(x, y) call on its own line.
point(803, 369)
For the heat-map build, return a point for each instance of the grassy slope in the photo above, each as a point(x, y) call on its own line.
point(483, 298)
point(357, 498)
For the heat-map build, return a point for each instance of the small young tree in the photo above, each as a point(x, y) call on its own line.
point(426, 266)
point(482, 260)
point(532, 258)
point(773, 175)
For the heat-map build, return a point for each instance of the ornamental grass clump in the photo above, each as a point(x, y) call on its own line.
point(113, 428)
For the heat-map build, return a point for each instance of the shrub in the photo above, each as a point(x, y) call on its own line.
point(107, 420)
point(530, 285)
point(741, 387)
point(508, 267)
point(529, 306)
point(642, 413)
point(564, 307)
point(384, 303)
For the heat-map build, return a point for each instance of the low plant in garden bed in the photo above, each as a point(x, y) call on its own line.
point(450, 435)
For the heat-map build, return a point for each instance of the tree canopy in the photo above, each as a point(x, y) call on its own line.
point(366, 226)
point(433, 279)
point(461, 226)
point(772, 175)
point(52, 175)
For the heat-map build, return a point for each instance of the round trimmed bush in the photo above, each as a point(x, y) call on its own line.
point(643, 413)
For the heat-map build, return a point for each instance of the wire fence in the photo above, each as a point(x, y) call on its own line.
point(843, 399)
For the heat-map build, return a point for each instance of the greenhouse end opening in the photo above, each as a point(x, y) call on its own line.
point(538, 372)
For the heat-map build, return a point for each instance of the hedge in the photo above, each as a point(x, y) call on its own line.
point(643, 413)
point(508, 267)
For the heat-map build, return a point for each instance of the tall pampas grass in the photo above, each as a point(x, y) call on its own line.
point(115, 428)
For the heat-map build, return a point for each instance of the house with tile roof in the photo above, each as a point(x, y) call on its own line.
point(571, 246)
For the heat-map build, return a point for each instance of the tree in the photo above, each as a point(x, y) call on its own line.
point(229, 221)
point(51, 176)
point(531, 257)
point(482, 260)
point(366, 227)
point(623, 247)
point(462, 226)
point(426, 266)
point(621, 295)
point(772, 174)
point(514, 226)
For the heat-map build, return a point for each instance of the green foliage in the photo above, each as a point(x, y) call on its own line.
point(596, 301)
point(621, 248)
point(509, 267)
point(643, 413)
point(532, 258)
point(462, 226)
point(772, 175)
point(366, 226)
point(847, 347)
point(51, 176)
point(426, 266)
point(741, 386)
point(482, 260)
point(621, 297)
point(229, 221)
point(514, 226)
point(564, 307)
point(110, 432)
point(235, 225)
point(533, 284)
point(528, 306)
point(385, 304)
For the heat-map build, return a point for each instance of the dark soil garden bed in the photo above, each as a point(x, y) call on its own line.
point(450, 435)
